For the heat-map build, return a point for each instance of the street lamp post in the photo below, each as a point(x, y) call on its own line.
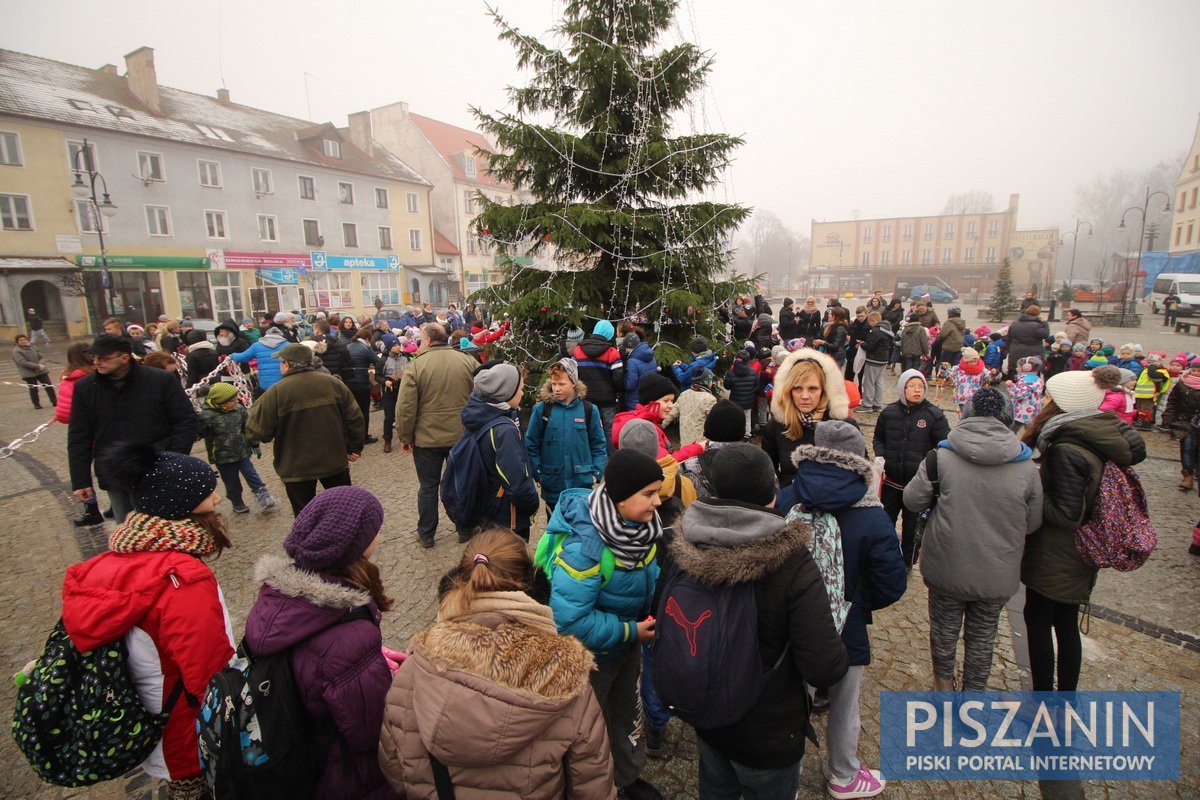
point(1142, 236)
point(1074, 246)
point(97, 207)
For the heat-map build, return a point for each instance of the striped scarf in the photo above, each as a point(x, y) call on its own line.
point(629, 542)
point(143, 533)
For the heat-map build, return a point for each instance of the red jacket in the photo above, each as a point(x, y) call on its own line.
point(651, 414)
point(168, 608)
point(66, 390)
point(485, 337)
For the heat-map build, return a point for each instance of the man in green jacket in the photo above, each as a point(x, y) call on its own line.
point(316, 425)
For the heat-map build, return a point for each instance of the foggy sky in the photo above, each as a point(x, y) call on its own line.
point(876, 108)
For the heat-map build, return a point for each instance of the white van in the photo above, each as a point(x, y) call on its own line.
point(1185, 285)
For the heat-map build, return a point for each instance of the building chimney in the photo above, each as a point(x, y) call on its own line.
point(223, 96)
point(142, 79)
point(360, 132)
point(108, 69)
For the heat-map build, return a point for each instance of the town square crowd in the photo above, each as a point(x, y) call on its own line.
point(552, 670)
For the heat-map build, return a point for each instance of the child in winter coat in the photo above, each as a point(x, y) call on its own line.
point(613, 529)
point(1026, 390)
point(324, 603)
point(223, 428)
point(79, 363)
point(692, 407)
point(702, 358)
point(742, 383)
point(967, 377)
point(1058, 358)
point(1150, 388)
point(659, 399)
point(565, 438)
point(1078, 356)
point(1119, 397)
point(1183, 403)
point(640, 361)
point(993, 356)
point(1126, 358)
point(914, 344)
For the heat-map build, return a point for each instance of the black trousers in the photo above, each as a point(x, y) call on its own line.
point(301, 492)
point(42, 380)
point(1047, 621)
point(893, 503)
point(362, 394)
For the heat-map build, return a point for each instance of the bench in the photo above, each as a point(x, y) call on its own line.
point(1186, 327)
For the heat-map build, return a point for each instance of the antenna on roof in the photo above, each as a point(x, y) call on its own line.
point(307, 99)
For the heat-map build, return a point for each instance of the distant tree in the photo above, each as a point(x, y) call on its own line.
point(1004, 302)
point(976, 202)
point(768, 247)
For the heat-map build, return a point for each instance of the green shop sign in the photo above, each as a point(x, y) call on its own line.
point(143, 262)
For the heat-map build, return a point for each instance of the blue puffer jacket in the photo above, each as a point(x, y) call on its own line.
point(567, 452)
point(685, 372)
point(639, 362)
point(604, 616)
point(268, 368)
point(1131, 364)
point(504, 455)
point(836, 482)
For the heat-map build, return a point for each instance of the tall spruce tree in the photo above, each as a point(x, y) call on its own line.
point(1004, 302)
point(590, 139)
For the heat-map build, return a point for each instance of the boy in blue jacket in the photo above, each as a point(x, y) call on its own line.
point(565, 439)
point(993, 356)
point(599, 551)
point(702, 357)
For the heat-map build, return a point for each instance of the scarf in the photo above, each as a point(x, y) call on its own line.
point(971, 367)
point(1191, 381)
point(629, 541)
point(143, 533)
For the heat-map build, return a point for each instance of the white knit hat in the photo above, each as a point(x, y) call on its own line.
point(1075, 391)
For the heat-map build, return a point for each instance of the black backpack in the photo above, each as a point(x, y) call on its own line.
point(254, 739)
point(464, 482)
point(79, 720)
point(705, 658)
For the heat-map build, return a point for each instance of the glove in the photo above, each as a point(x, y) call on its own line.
point(257, 451)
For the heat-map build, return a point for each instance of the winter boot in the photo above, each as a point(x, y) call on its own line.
point(943, 684)
point(1195, 547)
point(1189, 480)
point(91, 516)
point(387, 444)
point(265, 500)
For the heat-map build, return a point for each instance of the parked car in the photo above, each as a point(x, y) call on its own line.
point(938, 294)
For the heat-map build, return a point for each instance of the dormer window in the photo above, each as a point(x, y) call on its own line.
point(82, 105)
point(469, 164)
point(333, 148)
point(213, 133)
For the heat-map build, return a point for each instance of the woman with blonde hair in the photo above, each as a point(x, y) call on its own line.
point(809, 387)
point(504, 701)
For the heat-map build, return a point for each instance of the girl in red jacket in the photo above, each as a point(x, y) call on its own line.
point(79, 363)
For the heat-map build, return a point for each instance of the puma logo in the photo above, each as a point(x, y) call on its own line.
point(689, 627)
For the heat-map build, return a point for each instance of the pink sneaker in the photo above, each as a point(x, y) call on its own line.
point(866, 783)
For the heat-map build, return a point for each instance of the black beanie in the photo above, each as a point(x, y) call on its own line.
point(628, 472)
point(726, 422)
point(742, 472)
point(653, 387)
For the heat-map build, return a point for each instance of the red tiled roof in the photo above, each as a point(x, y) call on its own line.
point(453, 143)
point(444, 245)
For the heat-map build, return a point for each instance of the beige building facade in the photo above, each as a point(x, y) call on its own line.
point(1185, 228)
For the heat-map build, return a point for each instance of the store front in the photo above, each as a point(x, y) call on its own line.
point(136, 291)
point(257, 284)
point(352, 283)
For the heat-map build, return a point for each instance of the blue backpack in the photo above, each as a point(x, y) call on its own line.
point(464, 482)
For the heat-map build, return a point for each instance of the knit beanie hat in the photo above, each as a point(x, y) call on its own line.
point(639, 435)
point(628, 472)
point(604, 330)
point(466, 345)
point(1127, 375)
point(221, 393)
point(726, 422)
point(1079, 348)
point(1076, 391)
point(835, 434)
point(1195, 362)
point(698, 345)
point(970, 354)
point(569, 366)
point(334, 529)
point(1107, 350)
point(631, 341)
point(991, 402)
point(742, 472)
point(764, 320)
point(653, 387)
point(498, 383)
point(574, 336)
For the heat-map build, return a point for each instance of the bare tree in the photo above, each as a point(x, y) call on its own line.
point(976, 202)
point(768, 247)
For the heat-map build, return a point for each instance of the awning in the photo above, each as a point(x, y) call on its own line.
point(427, 269)
point(37, 265)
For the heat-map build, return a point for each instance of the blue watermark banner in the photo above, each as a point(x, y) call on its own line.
point(1029, 735)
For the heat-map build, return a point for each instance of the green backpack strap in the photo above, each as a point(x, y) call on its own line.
point(551, 544)
point(608, 565)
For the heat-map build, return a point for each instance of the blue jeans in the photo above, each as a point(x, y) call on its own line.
point(233, 486)
point(912, 362)
point(722, 779)
point(657, 714)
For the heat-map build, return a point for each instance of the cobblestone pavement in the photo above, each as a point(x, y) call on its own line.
point(1142, 635)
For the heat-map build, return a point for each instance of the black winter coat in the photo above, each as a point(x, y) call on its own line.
point(877, 344)
point(742, 383)
point(362, 359)
point(741, 328)
point(1026, 337)
point(809, 323)
point(336, 357)
point(894, 317)
point(763, 337)
point(904, 434)
point(789, 328)
point(1183, 403)
point(201, 359)
point(835, 344)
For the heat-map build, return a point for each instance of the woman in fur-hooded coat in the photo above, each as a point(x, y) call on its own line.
point(792, 419)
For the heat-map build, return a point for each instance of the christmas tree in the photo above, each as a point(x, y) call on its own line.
point(590, 139)
point(1004, 302)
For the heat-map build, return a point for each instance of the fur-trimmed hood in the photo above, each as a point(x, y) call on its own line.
point(830, 480)
point(546, 396)
point(724, 542)
point(835, 384)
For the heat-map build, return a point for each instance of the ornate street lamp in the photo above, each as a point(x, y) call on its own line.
point(97, 207)
point(1141, 238)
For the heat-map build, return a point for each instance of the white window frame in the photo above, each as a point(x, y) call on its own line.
point(93, 158)
point(165, 221)
point(414, 239)
point(304, 231)
point(413, 202)
point(382, 192)
point(928, 233)
point(866, 259)
point(300, 179)
point(221, 220)
point(212, 132)
point(947, 252)
point(331, 290)
point(469, 166)
point(971, 230)
point(385, 232)
point(10, 149)
point(384, 285)
point(885, 259)
point(886, 234)
point(151, 156)
point(993, 229)
point(476, 281)
point(203, 166)
point(85, 210)
point(472, 247)
point(9, 199)
point(969, 256)
point(332, 148)
point(352, 229)
point(345, 190)
point(926, 255)
point(255, 172)
point(906, 256)
point(991, 255)
point(908, 232)
point(469, 201)
point(949, 230)
point(273, 222)
point(868, 232)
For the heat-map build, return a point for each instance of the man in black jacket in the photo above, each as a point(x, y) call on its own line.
point(123, 402)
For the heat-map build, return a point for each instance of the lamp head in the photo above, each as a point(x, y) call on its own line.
point(79, 188)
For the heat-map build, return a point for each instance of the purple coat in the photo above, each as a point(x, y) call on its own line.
point(341, 674)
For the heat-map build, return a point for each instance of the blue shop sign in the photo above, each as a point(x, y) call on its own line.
point(323, 261)
point(281, 276)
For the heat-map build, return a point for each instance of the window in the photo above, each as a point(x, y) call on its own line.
point(385, 238)
point(381, 198)
point(1191, 226)
point(333, 148)
point(1178, 239)
point(81, 105)
point(385, 286)
point(886, 233)
point(150, 166)
point(10, 149)
point(88, 218)
point(331, 290)
point(414, 238)
point(970, 230)
point(86, 161)
point(214, 223)
point(949, 230)
point(227, 294)
point(476, 281)
point(867, 234)
point(210, 174)
point(1195, 194)
point(120, 112)
point(906, 256)
point(158, 220)
point(469, 201)
point(471, 246)
point(946, 255)
point(908, 228)
point(928, 231)
point(268, 228)
point(969, 256)
point(413, 201)
point(1182, 204)
point(991, 255)
point(469, 165)
point(213, 133)
point(885, 258)
point(15, 214)
point(308, 187)
point(194, 298)
point(261, 178)
point(925, 256)
point(349, 234)
point(993, 229)
point(312, 233)
point(345, 193)
point(866, 259)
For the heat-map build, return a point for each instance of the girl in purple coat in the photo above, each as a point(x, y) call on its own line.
point(306, 603)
